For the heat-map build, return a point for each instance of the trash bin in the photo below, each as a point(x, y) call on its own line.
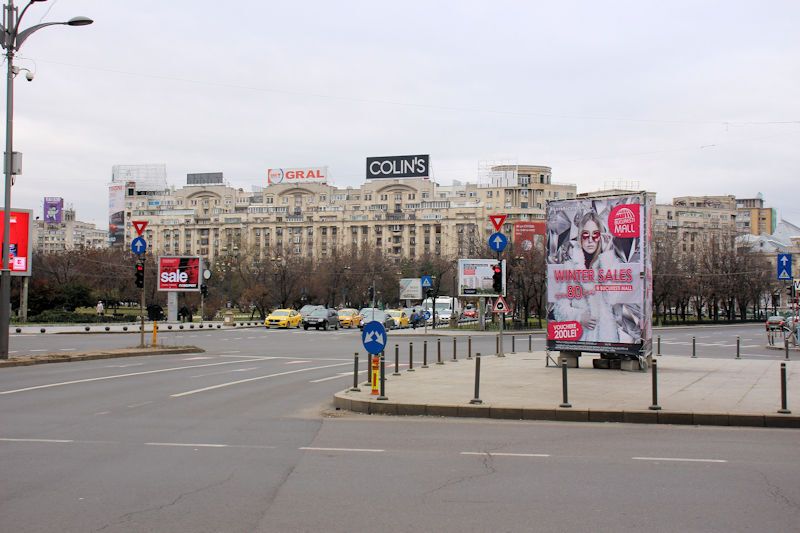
point(227, 318)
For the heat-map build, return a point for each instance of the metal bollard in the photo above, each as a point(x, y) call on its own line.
point(497, 344)
point(439, 351)
point(513, 344)
point(784, 410)
point(694, 347)
point(658, 352)
point(424, 354)
point(355, 388)
point(738, 347)
point(396, 360)
point(655, 406)
point(383, 379)
point(410, 357)
point(786, 348)
point(530, 343)
point(565, 403)
point(469, 347)
point(477, 398)
point(455, 358)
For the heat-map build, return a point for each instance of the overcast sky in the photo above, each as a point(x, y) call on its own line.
point(680, 98)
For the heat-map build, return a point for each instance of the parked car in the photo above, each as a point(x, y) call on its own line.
point(786, 321)
point(470, 311)
point(322, 319)
point(400, 318)
point(369, 314)
point(308, 308)
point(349, 318)
point(283, 318)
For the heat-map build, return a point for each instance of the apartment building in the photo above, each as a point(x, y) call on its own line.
point(403, 218)
point(696, 221)
point(753, 218)
point(67, 234)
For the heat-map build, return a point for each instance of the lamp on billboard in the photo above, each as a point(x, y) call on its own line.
point(12, 39)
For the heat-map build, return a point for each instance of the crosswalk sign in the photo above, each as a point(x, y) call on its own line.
point(784, 264)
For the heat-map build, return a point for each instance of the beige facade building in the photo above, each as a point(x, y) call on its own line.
point(696, 221)
point(69, 234)
point(753, 218)
point(403, 218)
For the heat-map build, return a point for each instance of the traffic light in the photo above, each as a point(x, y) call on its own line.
point(204, 290)
point(497, 278)
point(429, 293)
point(371, 292)
point(140, 275)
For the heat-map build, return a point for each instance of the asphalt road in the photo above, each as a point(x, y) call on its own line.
point(243, 438)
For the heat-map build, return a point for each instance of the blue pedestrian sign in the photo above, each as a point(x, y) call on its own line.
point(784, 267)
point(373, 337)
point(427, 315)
point(138, 245)
point(427, 282)
point(498, 242)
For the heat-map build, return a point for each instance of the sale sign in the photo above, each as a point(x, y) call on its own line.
point(19, 245)
point(179, 274)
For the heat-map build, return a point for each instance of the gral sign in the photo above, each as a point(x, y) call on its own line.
point(179, 274)
point(276, 176)
point(19, 245)
point(525, 234)
point(476, 277)
point(599, 275)
point(399, 166)
point(53, 209)
point(411, 289)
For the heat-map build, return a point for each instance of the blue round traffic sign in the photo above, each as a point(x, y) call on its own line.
point(497, 241)
point(373, 337)
point(427, 315)
point(139, 245)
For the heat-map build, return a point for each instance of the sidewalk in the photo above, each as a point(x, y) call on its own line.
point(725, 392)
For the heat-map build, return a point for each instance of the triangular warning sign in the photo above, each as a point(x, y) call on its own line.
point(497, 221)
point(139, 226)
point(500, 305)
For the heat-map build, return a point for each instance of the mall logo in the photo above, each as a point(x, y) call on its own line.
point(398, 166)
point(623, 221)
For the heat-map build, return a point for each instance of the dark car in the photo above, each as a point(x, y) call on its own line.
point(372, 313)
point(321, 319)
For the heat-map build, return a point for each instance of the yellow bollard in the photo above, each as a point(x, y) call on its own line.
point(155, 333)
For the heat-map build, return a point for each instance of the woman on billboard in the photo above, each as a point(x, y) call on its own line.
point(591, 251)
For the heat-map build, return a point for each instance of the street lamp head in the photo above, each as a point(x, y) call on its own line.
point(78, 21)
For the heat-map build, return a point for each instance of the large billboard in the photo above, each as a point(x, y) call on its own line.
point(476, 277)
point(599, 281)
point(525, 234)
point(116, 214)
point(411, 289)
point(179, 274)
point(53, 210)
point(276, 176)
point(399, 166)
point(19, 245)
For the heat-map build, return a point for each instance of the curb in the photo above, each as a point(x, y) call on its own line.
point(342, 401)
point(88, 356)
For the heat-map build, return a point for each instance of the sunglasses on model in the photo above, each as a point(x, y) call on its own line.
point(595, 236)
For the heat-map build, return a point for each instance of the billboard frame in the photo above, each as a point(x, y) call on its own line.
point(159, 272)
point(28, 251)
point(478, 279)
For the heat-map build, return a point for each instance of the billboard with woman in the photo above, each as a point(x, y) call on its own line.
point(599, 281)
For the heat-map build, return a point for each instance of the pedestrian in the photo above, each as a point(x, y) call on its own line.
point(101, 310)
point(414, 320)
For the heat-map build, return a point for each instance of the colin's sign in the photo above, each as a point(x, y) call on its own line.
point(399, 166)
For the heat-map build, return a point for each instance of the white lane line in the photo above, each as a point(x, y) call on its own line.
point(186, 444)
point(135, 405)
point(199, 358)
point(309, 448)
point(296, 362)
point(37, 350)
point(221, 385)
point(123, 366)
point(116, 376)
point(679, 459)
point(337, 376)
point(500, 454)
point(225, 372)
point(56, 441)
point(102, 413)
point(66, 349)
point(231, 352)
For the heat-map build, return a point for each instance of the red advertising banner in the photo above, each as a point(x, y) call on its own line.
point(19, 245)
point(179, 274)
point(525, 233)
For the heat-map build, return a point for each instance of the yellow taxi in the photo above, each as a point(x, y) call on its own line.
point(400, 318)
point(349, 318)
point(283, 318)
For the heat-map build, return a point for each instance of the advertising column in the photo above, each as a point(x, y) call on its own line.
point(599, 279)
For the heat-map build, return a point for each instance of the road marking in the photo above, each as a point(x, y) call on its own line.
point(186, 444)
point(309, 448)
point(225, 372)
point(500, 454)
point(130, 374)
point(135, 405)
point(199, 358)
point(123, 366)
point(231, 352)
point(56, 441)
point(222, 385)
point(37, 350)
point(296, 362)
point(66, 349)
point(337, 376)
point(102, 413)
point(679, 459)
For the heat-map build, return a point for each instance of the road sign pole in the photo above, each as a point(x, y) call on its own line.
point(141, 312)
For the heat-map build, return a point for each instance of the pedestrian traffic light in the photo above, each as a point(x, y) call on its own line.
point(204, 290)
point(497, 278)
point(140, 275)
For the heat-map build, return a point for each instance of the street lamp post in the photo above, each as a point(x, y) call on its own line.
point(12, 39)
